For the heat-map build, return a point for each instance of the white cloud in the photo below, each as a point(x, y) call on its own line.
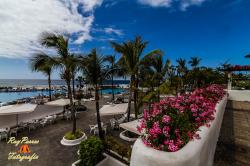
point(23, 21)
point(187, 3)
point(113, 31)
point(156, 3)
point(183, 4)
point(110, 3)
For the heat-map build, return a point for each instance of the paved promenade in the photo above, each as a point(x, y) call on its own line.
point(233, 148)
point(49, 149)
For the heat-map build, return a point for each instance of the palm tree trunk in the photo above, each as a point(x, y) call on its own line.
point(158, 91)
point(98, 113)
point(73, 85)
point(130, 95)
point(49, 82)
point(80, 84)
point(135, 97)
point(72, 108)
point(112, 82)
point(101, 90)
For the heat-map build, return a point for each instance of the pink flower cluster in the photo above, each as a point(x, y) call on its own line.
point(172, 122)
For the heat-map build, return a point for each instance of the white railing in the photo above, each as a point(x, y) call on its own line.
point(239, 95)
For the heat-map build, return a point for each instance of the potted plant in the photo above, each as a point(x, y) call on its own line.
point(92, 153)
point(120, 150)
point(71, 139)
point(181, 130)
point(128, 136)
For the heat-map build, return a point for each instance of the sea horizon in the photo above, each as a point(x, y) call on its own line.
point(44, 82)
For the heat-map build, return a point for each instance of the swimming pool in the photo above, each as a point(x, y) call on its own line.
point(116, 91)
point(12, 96)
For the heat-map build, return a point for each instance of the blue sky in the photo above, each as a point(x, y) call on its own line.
point(214, 30)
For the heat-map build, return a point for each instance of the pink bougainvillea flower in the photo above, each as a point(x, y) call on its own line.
point(174, 118)
point(155, 130)
point(166, 119)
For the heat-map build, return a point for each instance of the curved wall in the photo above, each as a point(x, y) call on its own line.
point(195, 153)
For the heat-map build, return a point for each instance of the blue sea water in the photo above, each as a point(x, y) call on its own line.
point(12, 96)
point(37, 82)
point(28, 82)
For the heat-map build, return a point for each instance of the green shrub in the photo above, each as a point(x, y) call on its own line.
point(122, 149)
point(91, 151)
point(71, 136)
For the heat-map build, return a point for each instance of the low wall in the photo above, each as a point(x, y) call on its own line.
point(238, 105)
point(239, 95)
point(195, 153)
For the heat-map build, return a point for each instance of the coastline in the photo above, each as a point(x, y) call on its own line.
point(13, 91)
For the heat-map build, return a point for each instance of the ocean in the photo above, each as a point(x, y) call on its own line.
point(44, 82)
point(11, 96)
point(28, 82)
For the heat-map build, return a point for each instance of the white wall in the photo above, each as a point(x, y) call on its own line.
point(239, 95)
point(198, 152)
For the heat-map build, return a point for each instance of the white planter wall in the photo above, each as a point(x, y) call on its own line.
point(122, 136)
point(66, 142)
point(239, 95)
point(107, 161)
point(195, 153)
point(110, 161)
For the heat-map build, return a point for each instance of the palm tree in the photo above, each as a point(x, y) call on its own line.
point(224, 66)
point(111, 60)
point(181, 69)
point(94, 70)
point(43, 63)
point(156, 64)
point(194, 62)
point(131, 55)
point(64, 61)
point(80, 80)
point(74, 69)
point(169, 70)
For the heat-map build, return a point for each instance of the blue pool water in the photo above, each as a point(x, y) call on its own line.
point(116, 91)
point(12, 96)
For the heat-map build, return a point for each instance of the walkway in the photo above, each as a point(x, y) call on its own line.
point(50, 151)
point(233, 148)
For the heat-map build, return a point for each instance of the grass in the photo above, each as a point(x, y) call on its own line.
point(71, 136)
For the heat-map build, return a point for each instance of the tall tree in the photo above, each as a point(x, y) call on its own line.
point(131, 55)
point(156, 64)
point(94, 70)
point(43, 63)
point(74, 68)
point(80, 80)
point(181, 69)
point(194, 62)
point(63, 61)
point(111, 60)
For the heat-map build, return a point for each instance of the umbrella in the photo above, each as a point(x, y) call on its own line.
point(17, 109)
point(114, 109)
point(59, 102)
point(131, 126)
